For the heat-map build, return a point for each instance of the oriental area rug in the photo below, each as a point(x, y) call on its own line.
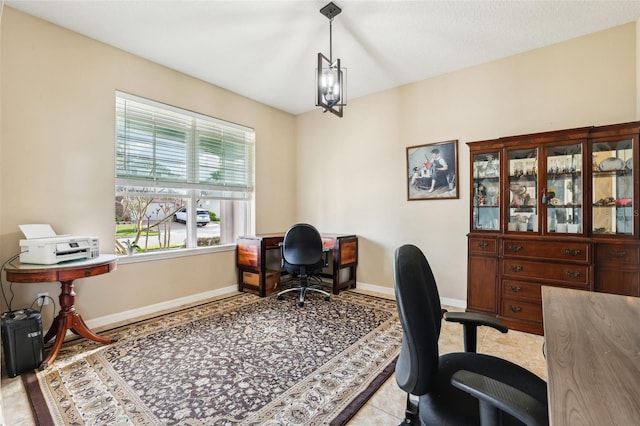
point(242, 360)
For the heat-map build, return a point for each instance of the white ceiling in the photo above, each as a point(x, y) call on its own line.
point(266, 50)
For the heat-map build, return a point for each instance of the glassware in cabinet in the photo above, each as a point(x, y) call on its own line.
point(523, 190)
point(612, 188)
point(563, 192)
point(486, 191)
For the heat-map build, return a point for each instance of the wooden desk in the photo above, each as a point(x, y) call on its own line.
point(252, 257)
point(68, 318)
point(592, 345)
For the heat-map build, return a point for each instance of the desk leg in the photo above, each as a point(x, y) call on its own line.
point(336, 280)
point(68, 319)
point(349, 283)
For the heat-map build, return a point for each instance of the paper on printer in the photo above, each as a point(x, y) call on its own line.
point(42, 246)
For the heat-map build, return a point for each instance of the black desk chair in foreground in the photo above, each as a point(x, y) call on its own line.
point(464, 388)
point(303, 256)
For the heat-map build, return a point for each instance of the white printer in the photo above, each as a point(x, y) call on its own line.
point(42, 246)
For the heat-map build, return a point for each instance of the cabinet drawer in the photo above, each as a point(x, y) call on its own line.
point(482, 285)
point(618, 280)
point(521, 290)
point(478, 245)
point(614, 253)
point(521, 310)
point(552, 250)
point(567, 274)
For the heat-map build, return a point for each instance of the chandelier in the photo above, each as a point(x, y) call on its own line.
point(331, 92)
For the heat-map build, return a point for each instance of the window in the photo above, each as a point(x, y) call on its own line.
point(183, 180)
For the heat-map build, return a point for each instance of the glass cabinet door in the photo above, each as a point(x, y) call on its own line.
point(612, 196)
point(486, 191)
point(523, 190)
point(563, 192)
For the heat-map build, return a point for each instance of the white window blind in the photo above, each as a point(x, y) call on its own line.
point(161, 148)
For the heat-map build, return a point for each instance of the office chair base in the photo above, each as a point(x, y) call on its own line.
point(411, 412)
point(303, 291)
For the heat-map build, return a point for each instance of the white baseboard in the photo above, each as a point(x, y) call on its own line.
point(376, 288)
point(148, 311)
point(456, 303)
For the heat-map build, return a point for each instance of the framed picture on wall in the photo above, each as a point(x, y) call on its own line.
point(432, 171)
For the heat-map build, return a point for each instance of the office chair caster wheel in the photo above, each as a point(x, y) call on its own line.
point(326, 298)
point(301, 304)
point(280, 297)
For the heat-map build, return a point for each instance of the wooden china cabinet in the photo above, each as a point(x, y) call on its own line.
point(555, 208)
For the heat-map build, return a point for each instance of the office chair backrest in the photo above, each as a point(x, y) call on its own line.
point(302, 245)
point(420, 315)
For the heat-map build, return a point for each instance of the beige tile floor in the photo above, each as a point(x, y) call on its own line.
point(386, 407)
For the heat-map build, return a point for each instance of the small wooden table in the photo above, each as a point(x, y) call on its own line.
point(592, 345)
point(68, 318)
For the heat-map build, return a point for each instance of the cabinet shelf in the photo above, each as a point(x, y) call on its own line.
point(564, 206)
point(605, 232)
point(565, 175)
point(531, 177)
point(607, 173)
point(608, 206)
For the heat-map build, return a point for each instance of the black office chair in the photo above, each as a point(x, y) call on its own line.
point(464, 388)
point(304, 256)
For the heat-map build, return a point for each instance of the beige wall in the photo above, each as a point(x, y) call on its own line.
point(360, 186)
point(57, 153)
point(343, 175)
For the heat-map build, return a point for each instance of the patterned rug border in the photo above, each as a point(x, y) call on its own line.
point(40, 407)
point(359, 401)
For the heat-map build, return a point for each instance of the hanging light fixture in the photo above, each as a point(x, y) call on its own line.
point(331, 92)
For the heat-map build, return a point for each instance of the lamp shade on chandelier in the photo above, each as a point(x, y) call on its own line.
point(330, 76)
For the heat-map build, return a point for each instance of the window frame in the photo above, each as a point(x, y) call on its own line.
point(232, 184)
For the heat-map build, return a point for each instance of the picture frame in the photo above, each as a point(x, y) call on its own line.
point(432, 171)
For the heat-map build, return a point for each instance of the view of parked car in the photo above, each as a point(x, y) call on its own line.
point(202, 216)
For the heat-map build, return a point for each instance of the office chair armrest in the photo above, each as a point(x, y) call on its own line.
point(476, 319)
point(470, 322)
point(495, 396)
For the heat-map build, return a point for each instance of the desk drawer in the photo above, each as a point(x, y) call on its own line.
point(248, 254)
point(566, 274)
point(348, 252)
point(551, 250)
point(89, 271)
point(272, 242)
point(251, 281)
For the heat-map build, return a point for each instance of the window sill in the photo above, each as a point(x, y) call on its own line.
point(172, 254)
